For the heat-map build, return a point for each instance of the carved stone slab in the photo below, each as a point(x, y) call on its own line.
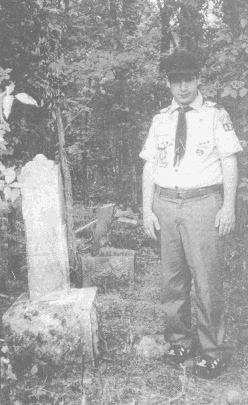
point(47, 251)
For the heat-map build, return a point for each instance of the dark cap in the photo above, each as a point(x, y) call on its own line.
point(182, 62)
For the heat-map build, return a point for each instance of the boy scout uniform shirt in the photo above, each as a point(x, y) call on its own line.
point(210, 139)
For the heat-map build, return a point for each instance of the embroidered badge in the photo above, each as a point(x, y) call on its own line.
point(224, 117)
point(162, 147)
point(228, 126)
point(226, 121)
point(199, 152)
point(162, 155)
point(163, 143)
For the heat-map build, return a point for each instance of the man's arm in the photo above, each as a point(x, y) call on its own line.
point(225, 218)
point(149, 218)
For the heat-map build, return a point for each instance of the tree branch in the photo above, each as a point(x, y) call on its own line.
point(183, 390)
point(159, 5)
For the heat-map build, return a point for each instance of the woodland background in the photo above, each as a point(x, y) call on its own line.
point(101, 62)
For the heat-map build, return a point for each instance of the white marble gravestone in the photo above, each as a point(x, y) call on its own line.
point(53, 323)
point(47, 252)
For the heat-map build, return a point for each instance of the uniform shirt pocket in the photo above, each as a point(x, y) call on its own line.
point(203, 149)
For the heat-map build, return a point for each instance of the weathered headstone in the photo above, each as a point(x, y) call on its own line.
point(53, 323)
point(112, 268)
point(47, 252)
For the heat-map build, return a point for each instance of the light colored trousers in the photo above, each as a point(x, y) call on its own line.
point(192, 249)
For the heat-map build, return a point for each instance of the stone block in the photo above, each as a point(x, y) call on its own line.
point(61, 331)
point(108, 271)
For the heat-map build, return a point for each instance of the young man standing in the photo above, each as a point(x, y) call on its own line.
point(189, 186)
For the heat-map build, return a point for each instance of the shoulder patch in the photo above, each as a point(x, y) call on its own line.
point(225, 120)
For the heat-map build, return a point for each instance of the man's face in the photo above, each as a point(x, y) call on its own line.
point(184, 88)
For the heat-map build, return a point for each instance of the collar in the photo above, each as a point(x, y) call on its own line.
point(196, 104)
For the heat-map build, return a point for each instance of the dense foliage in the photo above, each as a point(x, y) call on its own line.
point(103, 63)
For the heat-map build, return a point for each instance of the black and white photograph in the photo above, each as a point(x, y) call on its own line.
point(123, 202)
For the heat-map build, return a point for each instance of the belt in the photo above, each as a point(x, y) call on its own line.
point(190, 193)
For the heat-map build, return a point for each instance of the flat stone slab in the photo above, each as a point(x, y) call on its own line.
point(57, 332)
point(108, 270)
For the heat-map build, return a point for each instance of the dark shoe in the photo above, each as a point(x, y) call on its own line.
point(178, 354)
point(209, 367)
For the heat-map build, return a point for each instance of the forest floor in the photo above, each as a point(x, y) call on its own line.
point(128, 312)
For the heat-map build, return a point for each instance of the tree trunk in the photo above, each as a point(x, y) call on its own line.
point(134, 183)
point(166, 36)
point(4, 249)
point(67, 191)
point(67, 5)
point(85, 159)
point(85, 177)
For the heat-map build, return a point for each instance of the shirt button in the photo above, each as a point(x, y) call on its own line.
point(176, 170)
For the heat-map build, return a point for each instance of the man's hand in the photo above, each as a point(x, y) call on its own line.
point(150, 223)
point(225, 220)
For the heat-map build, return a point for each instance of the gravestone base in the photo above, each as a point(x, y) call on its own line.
point(113, 267)
point(59, 332)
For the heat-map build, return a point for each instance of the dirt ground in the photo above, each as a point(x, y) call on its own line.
point(127, 312)
point(128, 315)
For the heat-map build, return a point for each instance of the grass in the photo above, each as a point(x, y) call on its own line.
point(127, 313)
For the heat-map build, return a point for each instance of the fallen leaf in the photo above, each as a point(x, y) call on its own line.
point(26, 99)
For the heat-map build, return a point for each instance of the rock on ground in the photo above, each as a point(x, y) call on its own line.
point(58, 332)
point(152, 347)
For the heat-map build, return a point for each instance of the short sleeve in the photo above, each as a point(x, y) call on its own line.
point(149, 150)
point(226, 140)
